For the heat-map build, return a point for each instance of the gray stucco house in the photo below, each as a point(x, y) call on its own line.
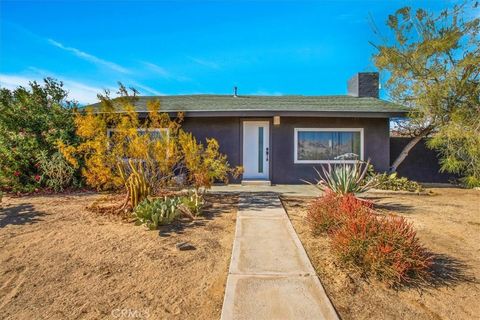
point(279, 139)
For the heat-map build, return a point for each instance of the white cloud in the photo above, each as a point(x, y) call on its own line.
point(147, 89)
point(157, 69)
point(89, 57)
point(81, 92)
point(162, 72)
point(206, 63)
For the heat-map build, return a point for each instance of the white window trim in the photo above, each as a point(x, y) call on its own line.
point(142, 130)
point(297, 130)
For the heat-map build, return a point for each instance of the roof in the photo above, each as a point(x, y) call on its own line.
point(288, 105)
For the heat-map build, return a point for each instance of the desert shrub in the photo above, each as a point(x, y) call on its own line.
point(32, 120)
point(385, 181)
point(203, 164)
point(384, 247)
point(57, 173)
point(345, 178)
point(108, 138)
point(329, 212)
point(157, 212)
point(193, 203)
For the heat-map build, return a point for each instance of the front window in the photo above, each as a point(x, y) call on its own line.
point(154, 134)
point(315, 145)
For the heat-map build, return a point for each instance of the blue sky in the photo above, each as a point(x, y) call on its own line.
point(184, 47)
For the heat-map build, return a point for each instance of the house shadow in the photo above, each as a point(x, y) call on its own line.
point(217, 204)
point(21, 214)
point(258, 201)
point(394, 206)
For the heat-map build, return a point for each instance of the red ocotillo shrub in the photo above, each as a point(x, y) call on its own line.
point(386, 247)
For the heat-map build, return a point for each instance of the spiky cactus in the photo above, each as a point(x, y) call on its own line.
point(136, 184)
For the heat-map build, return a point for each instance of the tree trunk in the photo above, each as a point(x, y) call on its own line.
point(409, 147)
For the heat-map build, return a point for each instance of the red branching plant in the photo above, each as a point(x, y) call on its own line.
point(386, 247)
point(322, 214)
point(328, 213)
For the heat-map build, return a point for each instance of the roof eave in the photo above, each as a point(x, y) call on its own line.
point(269, 113)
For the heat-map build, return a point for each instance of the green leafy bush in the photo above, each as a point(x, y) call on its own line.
point(385, 181)
point(156, 212)
point(32, 120)
point(345, 178)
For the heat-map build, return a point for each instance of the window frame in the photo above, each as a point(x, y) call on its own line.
point(295, 146)
point(109, 130)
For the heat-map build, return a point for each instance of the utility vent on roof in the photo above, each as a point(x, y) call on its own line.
point(364, 84)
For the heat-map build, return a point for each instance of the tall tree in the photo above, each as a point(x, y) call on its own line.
point(433, 64)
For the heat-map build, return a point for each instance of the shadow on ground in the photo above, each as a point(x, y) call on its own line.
point(448, 271)
point(259, 201)
point(20, 215)
point(217, 205)
point(394, 206)
point(445, 271)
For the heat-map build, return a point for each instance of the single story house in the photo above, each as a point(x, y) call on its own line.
point(279, 139)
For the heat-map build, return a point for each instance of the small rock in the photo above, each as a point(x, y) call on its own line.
point(185, 246)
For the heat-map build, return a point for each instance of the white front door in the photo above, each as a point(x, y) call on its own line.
point(256, 151)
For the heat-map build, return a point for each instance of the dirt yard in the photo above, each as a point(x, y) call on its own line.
point(59, 261)
point(448, 223)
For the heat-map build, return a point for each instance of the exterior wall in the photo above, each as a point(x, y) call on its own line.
point(284, 170)
point(225, 130)
point(228, 132)
point(421, 163)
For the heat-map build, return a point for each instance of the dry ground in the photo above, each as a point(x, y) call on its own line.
point(448, 223)
point(59, 261)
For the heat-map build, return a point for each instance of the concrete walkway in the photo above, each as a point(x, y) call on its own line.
point(270, 275)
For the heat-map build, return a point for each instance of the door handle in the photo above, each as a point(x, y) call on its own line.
point(266, 152)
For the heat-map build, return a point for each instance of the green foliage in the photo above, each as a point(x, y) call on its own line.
point(458, 144)
point(32, 120)
point(385, 181)
point(157, 212)
point(345, 178)
point(433, 63)
point(193, 202)
point(57, 173)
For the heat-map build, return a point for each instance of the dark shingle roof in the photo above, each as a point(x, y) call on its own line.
point(228, 103)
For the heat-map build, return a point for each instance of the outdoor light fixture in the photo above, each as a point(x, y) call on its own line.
point(276, 120)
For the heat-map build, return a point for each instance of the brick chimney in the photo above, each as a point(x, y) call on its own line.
point(363, 84)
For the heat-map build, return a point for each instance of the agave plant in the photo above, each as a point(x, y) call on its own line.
point(345, 178)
